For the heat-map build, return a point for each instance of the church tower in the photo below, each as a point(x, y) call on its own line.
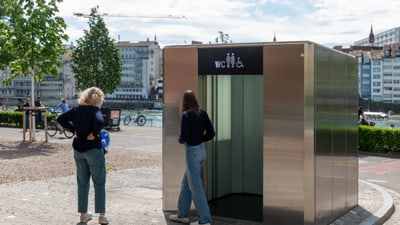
point(371, 37)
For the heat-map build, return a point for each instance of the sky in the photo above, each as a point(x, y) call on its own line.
point(326, 22)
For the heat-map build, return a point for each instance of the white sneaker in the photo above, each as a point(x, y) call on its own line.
point(85, 217)
point(197, 223)
point(103, 220)
point(176, 218)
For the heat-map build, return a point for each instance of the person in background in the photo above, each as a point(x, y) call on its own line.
point(363, 121)
point(86, 121)
point(360, 113)
point(195, 129)
point(27, 104)
point(39, 118)
point(63, 106)
point(18, 109)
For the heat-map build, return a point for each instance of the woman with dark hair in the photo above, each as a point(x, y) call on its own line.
point(195, 129)
point(86, 121)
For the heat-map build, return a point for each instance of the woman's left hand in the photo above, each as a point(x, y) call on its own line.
point(90, 137)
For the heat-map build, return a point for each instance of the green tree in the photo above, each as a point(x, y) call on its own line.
point(222, 38)
point(31, 39)
point(96, 60)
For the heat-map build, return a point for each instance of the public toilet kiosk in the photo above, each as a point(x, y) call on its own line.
point(285, 115)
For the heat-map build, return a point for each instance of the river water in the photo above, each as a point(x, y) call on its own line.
point(395, 120)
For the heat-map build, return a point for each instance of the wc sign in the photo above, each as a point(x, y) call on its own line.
point(232, 61)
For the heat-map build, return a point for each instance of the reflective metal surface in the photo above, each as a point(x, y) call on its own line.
point(336, 134)
point(310, 135)
point(180, 74)
point(284, 172)
point(310, 141)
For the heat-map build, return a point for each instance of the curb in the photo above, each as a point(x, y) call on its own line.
point(386, 210)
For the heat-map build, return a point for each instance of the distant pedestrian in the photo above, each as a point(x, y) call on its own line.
point(86, 121)
point(18, 109)
point(26, 105)
point(360, 113)
point(63, 105)
point(39, 118)
point(195, 129)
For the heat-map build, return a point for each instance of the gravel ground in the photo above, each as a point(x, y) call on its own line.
point(38, 161)
point(38, 185)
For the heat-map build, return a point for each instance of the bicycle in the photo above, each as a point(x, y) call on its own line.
point(140, 119)
point(53, 127)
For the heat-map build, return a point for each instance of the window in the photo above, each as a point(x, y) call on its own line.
point(376, 69)
point(365, 82)
point(377, 76)
point(387, 67)
point(376, 63)
point(387, 81)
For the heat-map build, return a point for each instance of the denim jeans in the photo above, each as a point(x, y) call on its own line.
point(39, 118)
point(91, 164)
point(192, 185)
point(27, 124)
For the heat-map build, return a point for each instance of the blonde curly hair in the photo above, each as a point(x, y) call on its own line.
point(92, 96)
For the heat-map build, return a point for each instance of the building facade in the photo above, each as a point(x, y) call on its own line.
point(384, 38)
point(141, 70)
point(379, 65)
point(378, 72)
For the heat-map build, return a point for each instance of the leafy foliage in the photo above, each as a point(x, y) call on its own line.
point(95, 60)
point(378, 139)
point(222, 38)
point(31, 38)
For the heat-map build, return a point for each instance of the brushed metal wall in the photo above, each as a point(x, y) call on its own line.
point(336, 134)
point(310, 135)
point(284, 134)
point(180, 74)
point(310, 165)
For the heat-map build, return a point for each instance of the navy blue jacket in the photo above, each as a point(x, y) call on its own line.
point(195, 129)
point(83, 120)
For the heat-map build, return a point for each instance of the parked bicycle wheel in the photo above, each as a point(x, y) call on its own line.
point(52, 128)
point(127, 120)
point(68, 133)
point(141, 120)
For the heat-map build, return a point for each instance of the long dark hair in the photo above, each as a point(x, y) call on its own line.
point(189, 102)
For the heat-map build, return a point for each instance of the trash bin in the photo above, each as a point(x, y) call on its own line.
point(112, 118)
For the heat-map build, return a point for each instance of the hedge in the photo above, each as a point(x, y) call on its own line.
point(379, 139)
point(14, 119)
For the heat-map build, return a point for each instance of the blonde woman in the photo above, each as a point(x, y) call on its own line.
point(195, 129)
point(86, 121)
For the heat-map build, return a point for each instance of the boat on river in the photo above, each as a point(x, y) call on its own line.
point(375, 115)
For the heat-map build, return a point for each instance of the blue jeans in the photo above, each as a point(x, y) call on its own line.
point(192, 185)
point(27, 124)
point(39, 118)
point(91, 164)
